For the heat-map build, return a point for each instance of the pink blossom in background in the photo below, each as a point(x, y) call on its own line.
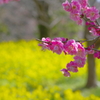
point(80, 61)
point(71, 47)
point(66, 6)
point(92, 13)
point(72, 66)
point(65, 72)
point(6, 1)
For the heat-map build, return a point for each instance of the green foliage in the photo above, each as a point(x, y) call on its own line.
point(27, 73)
point(4, 29)
point(65, 27)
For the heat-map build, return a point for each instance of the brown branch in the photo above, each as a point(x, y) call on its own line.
point(76, 40)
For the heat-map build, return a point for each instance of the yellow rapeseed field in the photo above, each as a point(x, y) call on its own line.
point(27, 73)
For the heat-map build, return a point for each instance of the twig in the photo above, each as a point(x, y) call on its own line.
point(95, 40)
point(76, 40)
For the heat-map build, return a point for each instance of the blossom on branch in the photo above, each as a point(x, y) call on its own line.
point(56, 46)
point(83, 3)
point(81, 50)
point(65, 72)
point(71, 47)
point(76, 17)
point(79, 10)
point(80, 61)
point(66, 6)
point(92, 13)
point(97, 54)
point(75, 7)
point(72, 66)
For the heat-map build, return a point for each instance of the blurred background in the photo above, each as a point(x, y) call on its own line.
point(26, 72)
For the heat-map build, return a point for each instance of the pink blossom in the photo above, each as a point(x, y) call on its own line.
point(90, 50)
point(81, 50)
point(61, 39)
point(6, 1)
point(92, 13)
point(76, 17)
point(75, 7)
point(65, 72)
point(98, 31)
point(66, 6)
point(72, 66)
point(94, 30)
point(80, 61)
point(75, 10)
point(46, 39)
point(79, 22)
point(97, 54)
point(46, 42)
point(56, 46)
point(83, 3)
point(71, 47)
point(90, 23)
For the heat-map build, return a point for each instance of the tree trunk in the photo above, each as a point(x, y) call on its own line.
point(91, 78)
point(91, 74)
point(43, 30)
point(43, 18)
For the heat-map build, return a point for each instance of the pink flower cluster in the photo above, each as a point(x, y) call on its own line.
point(6, 1)
point(59, 45)
point(79, 9)
point(71, 47)
point(89, 49)
point(93, 28)
point(97, 54)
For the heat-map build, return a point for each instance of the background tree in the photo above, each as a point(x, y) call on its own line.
point(91, 74)
point(51, 19)
point(43, 17)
